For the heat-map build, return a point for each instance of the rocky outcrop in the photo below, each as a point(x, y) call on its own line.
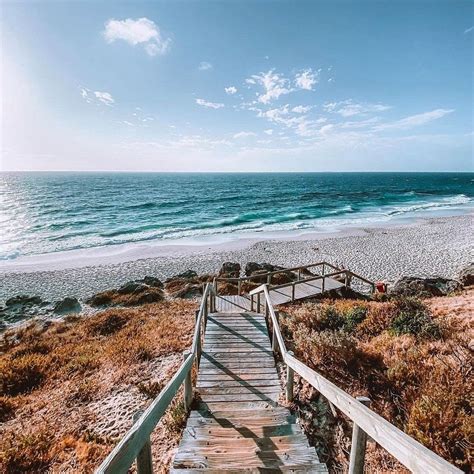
point(230, 270)
point(424, 287)
point(253, 267)
point(466, 275)
point(24, 307)
point(187, 275)
point(67, 305)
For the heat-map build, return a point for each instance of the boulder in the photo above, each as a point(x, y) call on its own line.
point(132, 287)
point(230, 270)
point(149, 296)
point(67, 305)
point(152, 281)
point(187, 275)
point(252, 267)
point(424, 287)
point(188, 291)
point(24, 300)
point(466, 275)
point(103, 298)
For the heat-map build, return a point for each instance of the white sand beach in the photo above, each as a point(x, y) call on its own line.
point(427, 247)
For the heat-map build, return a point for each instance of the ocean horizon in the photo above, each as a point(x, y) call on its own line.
point(50, 212)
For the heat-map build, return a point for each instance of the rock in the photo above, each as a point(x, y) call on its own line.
point(103, 298)
point(150, 296)
point(189, 291)
point(187, 275)
point(252, 267)
point(23, 300)
point(132, 287)
point(67, 305)
point(152, 281)
point(230, 270)
point(424, 287)
point(466, 275)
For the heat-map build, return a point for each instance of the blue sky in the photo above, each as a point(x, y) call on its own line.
point(237, 86)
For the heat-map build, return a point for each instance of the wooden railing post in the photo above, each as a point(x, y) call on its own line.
point(258, 303)
point(239, 287)
point(198, 342)
point(274, 338)
point(289, 381)
point(322, 284)
point(293, 292)
point(299, 274)
point(251, 303)
point(188, 386)
point(358, 445)
point(269, 280)
point(144, 459)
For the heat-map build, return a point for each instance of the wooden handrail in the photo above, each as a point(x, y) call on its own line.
point(132, 444)
point(405, 449)
point(275, 272)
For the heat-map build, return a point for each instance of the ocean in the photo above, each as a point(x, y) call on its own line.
point(43, 213)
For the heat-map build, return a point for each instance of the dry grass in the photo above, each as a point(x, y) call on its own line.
point(411, 358)
point(69, 390)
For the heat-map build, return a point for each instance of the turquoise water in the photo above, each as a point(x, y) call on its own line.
point(52, 212)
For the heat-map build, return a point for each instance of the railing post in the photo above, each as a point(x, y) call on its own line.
point(289, 380)
point(251, 303)
point(322, 284)
point(269, 280)
point(359, 441)
point(258, 302)
point(267, 310)
point(324, 268)
point(274, 338)
point(188, 386)
point(144, 460)
point(239, 287)
point(346, 278)
point(198, 342)
point(293, 292)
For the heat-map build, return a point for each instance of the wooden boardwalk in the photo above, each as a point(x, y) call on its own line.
point(234, 303)
point(237, 424)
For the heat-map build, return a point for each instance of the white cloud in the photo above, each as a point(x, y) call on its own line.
point(348, 108)
point(468, 30)
point(230, 90)
point(414, 120)
point(104, 97)
point(274, 84)
point(306, 79)
point(245, 134)
point(142, 31)
point(269, 131)
point(97, 97)
point(205, 66)
point(130, 124)
point(211, 105)
point(301, 109)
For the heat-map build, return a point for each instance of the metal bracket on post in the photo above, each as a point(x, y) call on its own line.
point(289, 381)
point(188, 385)
point(144, 459)
point(358, 445)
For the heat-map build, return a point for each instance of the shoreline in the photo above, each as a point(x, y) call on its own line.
point(426, 247)
point(207, 244)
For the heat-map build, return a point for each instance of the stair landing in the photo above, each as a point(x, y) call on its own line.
point(238, 424)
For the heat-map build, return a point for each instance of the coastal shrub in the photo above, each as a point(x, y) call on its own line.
point(107, 323)
point(150, 389)
point(413, 317)
point(175, 419)
point(353, 317)
point(21, 374)
point(83, 392)
point(7, 408)
point(441, 419)
point(27, 452)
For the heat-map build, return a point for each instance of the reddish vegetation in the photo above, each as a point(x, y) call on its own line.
point(68, 391)
point(411, 358)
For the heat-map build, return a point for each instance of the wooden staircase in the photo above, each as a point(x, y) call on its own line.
point(238, 424)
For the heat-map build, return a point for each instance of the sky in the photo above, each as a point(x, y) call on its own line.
point(237, 85)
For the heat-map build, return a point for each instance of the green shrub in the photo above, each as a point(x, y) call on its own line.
point(354, 317)
point(413, 317)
